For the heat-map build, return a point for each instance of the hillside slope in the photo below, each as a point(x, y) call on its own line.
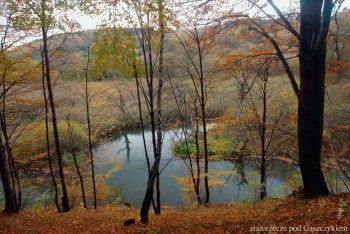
point(330, 213)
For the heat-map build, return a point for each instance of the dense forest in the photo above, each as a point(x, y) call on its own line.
point(250, 92)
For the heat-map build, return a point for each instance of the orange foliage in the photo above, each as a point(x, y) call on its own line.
point(228, 121)
point(238, 217)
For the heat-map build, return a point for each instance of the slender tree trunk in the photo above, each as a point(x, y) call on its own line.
point(65, 200)
point(47, 135)
point(73, 152)
point(146, 46)
point(157, 140)
point(13, 172)
point(154, 141)
point(184, 128)
point(10, 201)
point(159, 96)
point(204, 121)
point(87, 102)
point(158, 208)
point(263, 191)
point(136, 76)
point(80, 179)
point(149, 192)
point(18, 181)
point(197, 154)
point(10, 167)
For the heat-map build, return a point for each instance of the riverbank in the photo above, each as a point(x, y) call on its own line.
point(332, 212)
point(114, 106)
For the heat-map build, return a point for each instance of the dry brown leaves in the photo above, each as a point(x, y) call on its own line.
point(237, 217)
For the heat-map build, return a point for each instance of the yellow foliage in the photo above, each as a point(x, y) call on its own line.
point(112, 171)
point(31, 144)
point(214, 180)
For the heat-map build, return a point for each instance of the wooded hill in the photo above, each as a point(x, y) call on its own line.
point(260, 88)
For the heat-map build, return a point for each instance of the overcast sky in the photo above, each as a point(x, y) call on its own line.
point(88, 22)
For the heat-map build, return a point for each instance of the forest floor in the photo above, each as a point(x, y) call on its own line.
point(290, 215)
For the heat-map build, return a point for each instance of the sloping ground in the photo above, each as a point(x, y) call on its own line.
point(330, 213)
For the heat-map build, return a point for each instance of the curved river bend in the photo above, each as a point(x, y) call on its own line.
point(128, 151)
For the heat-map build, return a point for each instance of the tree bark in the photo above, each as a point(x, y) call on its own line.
point(65, 200)
point(73, 151)
point(159, 98)
point(157, 135)
point(10, 200)
point(263, 191)
point(12, 170)
point(197, 188)
point(203, 115)
point(8, 174)
point(312, 57)
point(87, 103)
point(47, 135)
point(149, 192)
point(315, 16)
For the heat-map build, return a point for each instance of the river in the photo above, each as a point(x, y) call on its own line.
point(128, 151)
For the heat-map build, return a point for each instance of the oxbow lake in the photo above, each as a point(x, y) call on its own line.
point(128, 152)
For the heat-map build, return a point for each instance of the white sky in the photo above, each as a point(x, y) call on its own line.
point(91, 22)
point(88, 22)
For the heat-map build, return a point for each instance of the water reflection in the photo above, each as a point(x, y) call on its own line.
point(127, 148)
point(239, 165)
point(241, 185)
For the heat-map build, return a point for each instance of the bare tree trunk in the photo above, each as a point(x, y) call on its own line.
point(10, 199)
point(47, 135)
point(197, 153)
point(136, 76)
point(184, 127)
point(73, 152)
point(157, 141)
point(201, 92)
point(65, 200)
point(14, 176)
point(263, 191)
point(204, 122)
point(159, 96)
point(87, 102)
point(18, 182)
point(315, 16)
point(312, 58)
point(10, 173)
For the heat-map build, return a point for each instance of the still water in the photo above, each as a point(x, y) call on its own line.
point(128, 152)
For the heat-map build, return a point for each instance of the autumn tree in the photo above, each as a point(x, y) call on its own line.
point(195, 46)
point(46, 18)
point(186, 104)
point(14, 69)
point(268, 117)
point(88, 118)
point(335, 144)
point(6, 165)
point(140, 50)
point(314, 20)
point(47, 136)
point(151, 42)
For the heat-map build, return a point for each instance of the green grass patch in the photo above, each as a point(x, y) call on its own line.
point(218, 146)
